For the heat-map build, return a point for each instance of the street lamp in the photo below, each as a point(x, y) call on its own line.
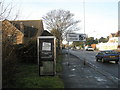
point(84, 14)
point(84, 18)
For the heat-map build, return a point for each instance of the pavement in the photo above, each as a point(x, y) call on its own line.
point(78, 74)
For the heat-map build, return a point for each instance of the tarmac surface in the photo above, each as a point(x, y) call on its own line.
point(77, 74)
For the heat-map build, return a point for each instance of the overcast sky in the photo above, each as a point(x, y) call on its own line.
point(101, 16)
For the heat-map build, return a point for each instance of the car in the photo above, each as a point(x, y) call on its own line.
point(89, 48)
point(78, 48)
point(107, 55)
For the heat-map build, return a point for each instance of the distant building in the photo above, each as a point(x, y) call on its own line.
point(112, 35)
point(112, 44)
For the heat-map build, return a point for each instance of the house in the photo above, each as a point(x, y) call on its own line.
point(30, 28)
point(22, 34)
point(115, 38)
point(112, 44)
point(11, 34)
point(117, 34)
point(22, 31)
point(112, 35)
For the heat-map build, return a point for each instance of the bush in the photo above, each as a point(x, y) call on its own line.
point(27, 54)
point(9, 61)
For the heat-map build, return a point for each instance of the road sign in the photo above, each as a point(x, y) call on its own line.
point(76, 37)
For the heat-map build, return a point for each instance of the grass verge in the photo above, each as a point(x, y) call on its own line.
point(27, 76)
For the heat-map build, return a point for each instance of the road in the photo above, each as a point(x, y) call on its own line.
point(89, 56)
point(76, 74)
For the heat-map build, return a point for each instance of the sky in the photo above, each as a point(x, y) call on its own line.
point(101, 16)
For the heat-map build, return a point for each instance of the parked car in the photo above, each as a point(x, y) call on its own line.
point(89, 48)
point(107, 55)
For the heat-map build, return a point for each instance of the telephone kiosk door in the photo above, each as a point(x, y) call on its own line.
point(47, 62)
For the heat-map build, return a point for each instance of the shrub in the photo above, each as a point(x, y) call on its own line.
point(9, 61)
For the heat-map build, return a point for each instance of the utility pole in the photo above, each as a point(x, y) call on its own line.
point(84, 14)
point(84, 19)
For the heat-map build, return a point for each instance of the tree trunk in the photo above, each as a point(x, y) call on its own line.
point(59, 47)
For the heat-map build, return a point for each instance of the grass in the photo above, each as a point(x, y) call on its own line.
point(27, 77)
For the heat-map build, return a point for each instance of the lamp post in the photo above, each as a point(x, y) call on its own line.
point(84, 14)
point(84, 19)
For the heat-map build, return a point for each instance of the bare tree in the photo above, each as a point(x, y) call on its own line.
point(8, 10)
point(60, 22)
point(8, 33)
